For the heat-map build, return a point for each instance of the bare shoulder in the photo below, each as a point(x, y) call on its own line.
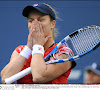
point(14, 54)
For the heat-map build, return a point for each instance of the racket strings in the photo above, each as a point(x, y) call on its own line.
point(87, 39)
point(84, 40)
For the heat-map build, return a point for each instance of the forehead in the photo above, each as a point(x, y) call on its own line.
point(36, 13)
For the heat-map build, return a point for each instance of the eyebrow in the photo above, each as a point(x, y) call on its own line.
point(30, 18)
point(38, 17)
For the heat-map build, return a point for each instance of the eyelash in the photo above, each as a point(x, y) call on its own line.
point(30, 21)
point(41, 19)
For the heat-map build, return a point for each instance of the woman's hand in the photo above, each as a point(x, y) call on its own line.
point(38, 35)
point(30, 38)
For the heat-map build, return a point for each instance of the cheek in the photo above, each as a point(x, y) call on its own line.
point(46, 26)
point(46, 29)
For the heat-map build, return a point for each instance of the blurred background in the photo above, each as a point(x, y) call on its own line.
point(72, 15)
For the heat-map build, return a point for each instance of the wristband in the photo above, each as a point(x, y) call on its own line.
point(26, 52)
point(38, 49)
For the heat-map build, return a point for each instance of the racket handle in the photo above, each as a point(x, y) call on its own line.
point(18, 76)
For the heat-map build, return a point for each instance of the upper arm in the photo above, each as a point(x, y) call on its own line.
point(14, 55)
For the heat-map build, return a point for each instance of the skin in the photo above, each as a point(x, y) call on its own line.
point(92, 78)
point(40, 32)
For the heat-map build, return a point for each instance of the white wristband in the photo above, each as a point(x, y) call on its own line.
point(26, 52)
point(38, 49)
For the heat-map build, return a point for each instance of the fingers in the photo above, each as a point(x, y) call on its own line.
point(33, 26)
point(41, 28)
point(37, 33)
point(38, 27)
point(47, 38)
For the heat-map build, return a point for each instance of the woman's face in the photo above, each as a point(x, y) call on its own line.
point(45, 20)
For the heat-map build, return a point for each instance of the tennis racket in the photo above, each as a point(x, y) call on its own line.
point(81, 42)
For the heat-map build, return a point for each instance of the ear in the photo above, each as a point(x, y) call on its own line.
point(53, 24)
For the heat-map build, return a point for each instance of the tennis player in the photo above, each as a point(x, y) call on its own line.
point(41, 24)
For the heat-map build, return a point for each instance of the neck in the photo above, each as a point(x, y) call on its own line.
point(49, 43)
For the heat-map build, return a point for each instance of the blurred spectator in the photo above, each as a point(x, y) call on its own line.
point(93, 74)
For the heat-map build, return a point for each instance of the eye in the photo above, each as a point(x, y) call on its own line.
point(41, 19)
point(30, 20)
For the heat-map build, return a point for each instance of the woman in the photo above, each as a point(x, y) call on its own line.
point(41, 24)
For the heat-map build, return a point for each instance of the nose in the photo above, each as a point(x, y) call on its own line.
point(36, 21)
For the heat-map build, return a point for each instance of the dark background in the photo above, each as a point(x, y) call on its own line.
point(72, 16)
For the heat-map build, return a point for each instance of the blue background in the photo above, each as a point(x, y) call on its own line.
point(73, 15)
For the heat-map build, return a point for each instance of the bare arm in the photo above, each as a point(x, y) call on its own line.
point(14, 66)
point(43, 73)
